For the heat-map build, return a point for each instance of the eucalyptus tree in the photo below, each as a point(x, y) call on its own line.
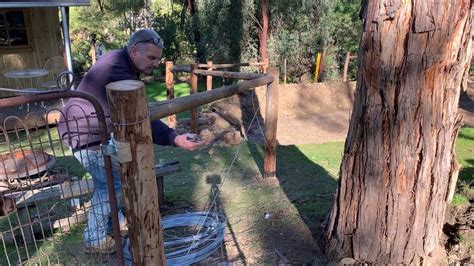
point(399, 168)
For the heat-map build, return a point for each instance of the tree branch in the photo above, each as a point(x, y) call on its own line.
point(256, 21)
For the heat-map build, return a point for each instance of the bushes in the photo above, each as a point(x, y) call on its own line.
point(228, 31)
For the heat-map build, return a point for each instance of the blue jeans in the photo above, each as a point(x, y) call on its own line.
point(98, 216)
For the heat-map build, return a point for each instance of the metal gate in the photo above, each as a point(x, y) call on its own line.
point(45, 194)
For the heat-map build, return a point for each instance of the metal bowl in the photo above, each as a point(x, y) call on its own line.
point(24, 163)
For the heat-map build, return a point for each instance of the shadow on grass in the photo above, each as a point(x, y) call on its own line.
point(467, 173)
point(215, 181)
point(309, 186)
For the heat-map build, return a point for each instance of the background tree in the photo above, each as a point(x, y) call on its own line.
point(111, 23)
point(228, 30)
point(263, 32)
point(399, 163)
point(170, 22)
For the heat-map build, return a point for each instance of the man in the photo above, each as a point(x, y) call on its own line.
point(141, 55)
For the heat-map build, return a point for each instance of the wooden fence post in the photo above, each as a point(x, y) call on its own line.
point(209, 77)
point(131, 124)
point(271, 120)
point(346, 67)
point(169, 77)
point(284, 71)
point(194, 111)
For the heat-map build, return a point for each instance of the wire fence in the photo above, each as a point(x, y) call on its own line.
point(45, 194)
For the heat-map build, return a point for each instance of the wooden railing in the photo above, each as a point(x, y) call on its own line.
point(208, 70)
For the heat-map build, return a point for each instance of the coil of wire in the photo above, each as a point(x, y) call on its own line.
point(192, 237)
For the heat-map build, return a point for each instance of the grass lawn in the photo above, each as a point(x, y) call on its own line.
point(465, 155)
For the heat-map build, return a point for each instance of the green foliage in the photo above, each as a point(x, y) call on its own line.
point(293, 36)
point(176, 36)
point(109, 22)
point(459, 200)
point(338, 29)
point(228, 31)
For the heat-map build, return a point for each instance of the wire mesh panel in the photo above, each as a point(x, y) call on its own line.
point(45, 192)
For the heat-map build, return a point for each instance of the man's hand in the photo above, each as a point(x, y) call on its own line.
point(188, 142)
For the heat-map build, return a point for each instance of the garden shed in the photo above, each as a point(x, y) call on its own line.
point(31, 33)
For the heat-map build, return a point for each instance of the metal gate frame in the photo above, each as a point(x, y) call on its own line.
point(42, 97)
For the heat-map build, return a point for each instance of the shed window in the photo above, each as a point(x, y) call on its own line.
point(13, 31)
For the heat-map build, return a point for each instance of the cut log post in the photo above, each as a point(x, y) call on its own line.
point(169, 76)
point(131, 124)
point(209, 77)
point(271, 119)
point(194, 111)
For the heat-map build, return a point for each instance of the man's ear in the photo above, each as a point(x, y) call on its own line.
point(133, 51)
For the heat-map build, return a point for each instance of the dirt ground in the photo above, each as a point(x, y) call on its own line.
point(313, 114)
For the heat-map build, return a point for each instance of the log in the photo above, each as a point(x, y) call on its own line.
point(65, 190)
point(165, 108)
point(185, 68)
point(139, 185)
point(229, 74)
point(63, 224)
point(271, 120)
point(216, 66)
point(201, 120)
point(77, 188)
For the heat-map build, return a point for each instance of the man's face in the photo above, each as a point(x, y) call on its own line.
point(146, 57)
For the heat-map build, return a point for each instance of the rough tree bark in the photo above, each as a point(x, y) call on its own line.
point(399, 161)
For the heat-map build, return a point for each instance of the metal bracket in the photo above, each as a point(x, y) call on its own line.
point(109, 149)
point(119, 150)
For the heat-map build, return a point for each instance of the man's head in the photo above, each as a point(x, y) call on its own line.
point(145, 48)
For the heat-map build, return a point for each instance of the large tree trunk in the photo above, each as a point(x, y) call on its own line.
point(399, 156)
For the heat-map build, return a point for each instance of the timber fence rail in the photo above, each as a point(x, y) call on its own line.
point(210, 72)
